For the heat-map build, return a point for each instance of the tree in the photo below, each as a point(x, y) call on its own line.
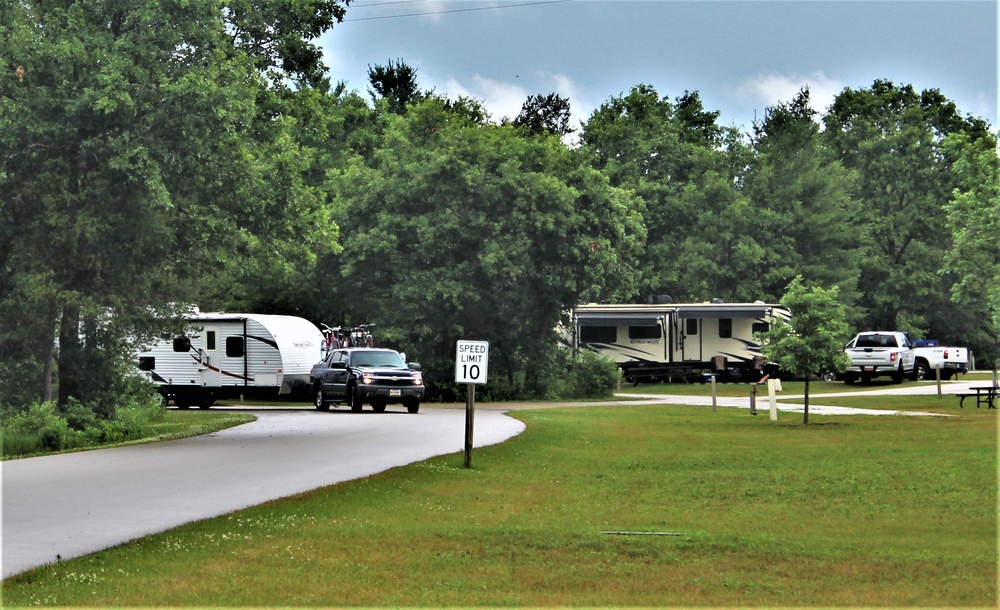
point(974, 221)
point(812, 341)
point(893, 138)
point(701, 241)
point(396, 83)
point(133, 157)
point(802, 198)
point(548, 114)
point(460, 230)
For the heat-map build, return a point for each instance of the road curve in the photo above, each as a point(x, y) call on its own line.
point(74, 504)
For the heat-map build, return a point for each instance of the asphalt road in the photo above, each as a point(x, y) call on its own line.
point(78, 503)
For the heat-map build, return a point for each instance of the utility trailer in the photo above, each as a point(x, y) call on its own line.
point(685, 341)
point(233, 355)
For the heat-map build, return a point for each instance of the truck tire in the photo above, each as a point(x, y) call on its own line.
point(850, 378)
point(412, 405)
point(898, 376)
point(322, 404)
point(378, 405)
point(355, 398)
point(922, 371)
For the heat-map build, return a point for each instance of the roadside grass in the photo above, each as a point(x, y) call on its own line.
point(736, 390)
point(171, 425)
point(847, 511)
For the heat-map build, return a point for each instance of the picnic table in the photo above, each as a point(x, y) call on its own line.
point(985, 394)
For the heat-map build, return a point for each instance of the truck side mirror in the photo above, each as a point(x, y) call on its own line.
point(414, 366)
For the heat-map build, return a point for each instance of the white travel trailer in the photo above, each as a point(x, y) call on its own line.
point(663, 341)
point(232, 355)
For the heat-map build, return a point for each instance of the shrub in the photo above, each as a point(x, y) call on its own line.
point(592, 376)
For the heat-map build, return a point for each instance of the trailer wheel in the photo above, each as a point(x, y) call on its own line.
point(206, 402)
point(182, 402)
point(319, 400)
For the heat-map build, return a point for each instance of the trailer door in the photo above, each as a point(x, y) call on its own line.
point(211, 361)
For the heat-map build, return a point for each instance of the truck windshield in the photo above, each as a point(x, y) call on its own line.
point(387, 358)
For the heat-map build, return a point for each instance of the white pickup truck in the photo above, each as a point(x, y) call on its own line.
point(874, 354)
point(931, 355)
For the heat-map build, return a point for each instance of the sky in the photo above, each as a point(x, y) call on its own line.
point(741, 56)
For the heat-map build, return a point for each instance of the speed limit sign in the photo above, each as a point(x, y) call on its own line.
point(472, 361)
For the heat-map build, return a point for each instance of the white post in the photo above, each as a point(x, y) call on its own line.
point(771, 388)
point(715, 403)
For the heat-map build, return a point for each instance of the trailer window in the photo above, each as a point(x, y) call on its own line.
point(147, 363)
point(182, 344)
point(598, 334)
point(210, 340)
point(760, 327)
point(644, 332)
point(234, 347)
point(691, 326)
point(725, 328)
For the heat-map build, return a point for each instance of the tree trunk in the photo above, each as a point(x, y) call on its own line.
point(68, 358)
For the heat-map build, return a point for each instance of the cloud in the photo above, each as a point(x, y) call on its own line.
point(501, 99)
point(772, 89)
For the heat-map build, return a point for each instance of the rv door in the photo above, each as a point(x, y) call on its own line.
point(211, 362)
point(691, 345)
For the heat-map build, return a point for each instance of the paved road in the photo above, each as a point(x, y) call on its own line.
point(75, 504)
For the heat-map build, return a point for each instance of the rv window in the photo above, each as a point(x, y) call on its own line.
point(644, 332)
point(210, 340)
point(760, 327)
point(182, 344)
point(598, 334)
point(147, 363)
point(234, 347)
point(692, 326)
point(725, 328)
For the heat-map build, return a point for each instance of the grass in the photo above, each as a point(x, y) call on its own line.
point(172, 425)
point(848, 511)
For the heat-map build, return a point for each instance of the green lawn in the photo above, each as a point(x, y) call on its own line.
point(848, 511)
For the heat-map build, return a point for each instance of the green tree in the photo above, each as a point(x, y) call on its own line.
point(133, 158)
point(396, 83)
point(460, 230)
point(702, 242)
point(974, 220)
point(813, 340)
point(892, 137)
point(548, 114)
point(802, 198)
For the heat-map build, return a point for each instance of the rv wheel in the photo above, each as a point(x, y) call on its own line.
point(182, 403)
point(206, 402)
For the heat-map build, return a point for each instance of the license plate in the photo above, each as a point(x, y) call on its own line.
point(395, 393)
point(870, 369)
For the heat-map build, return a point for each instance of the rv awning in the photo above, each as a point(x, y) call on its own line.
point(617, 320)
point(723, 312)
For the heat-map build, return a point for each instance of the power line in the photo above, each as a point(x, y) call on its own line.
point(445, 11)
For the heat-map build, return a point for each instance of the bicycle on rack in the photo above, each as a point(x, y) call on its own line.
point(361, 336)
point(334, 337)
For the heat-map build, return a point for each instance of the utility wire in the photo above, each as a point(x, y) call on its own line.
point(454, 10)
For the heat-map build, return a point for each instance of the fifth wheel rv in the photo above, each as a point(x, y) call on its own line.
point(664, 341)
point(233, 355)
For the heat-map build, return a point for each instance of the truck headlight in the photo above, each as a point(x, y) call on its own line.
point(418, 379)
point(366, 378)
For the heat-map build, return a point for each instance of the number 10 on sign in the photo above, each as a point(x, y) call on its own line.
point(472, 361)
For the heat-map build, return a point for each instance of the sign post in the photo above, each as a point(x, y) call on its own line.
point(471, 368)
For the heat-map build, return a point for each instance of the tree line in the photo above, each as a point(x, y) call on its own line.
point(156, 155)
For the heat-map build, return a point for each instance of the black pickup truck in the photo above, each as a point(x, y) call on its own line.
point(358, 375)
